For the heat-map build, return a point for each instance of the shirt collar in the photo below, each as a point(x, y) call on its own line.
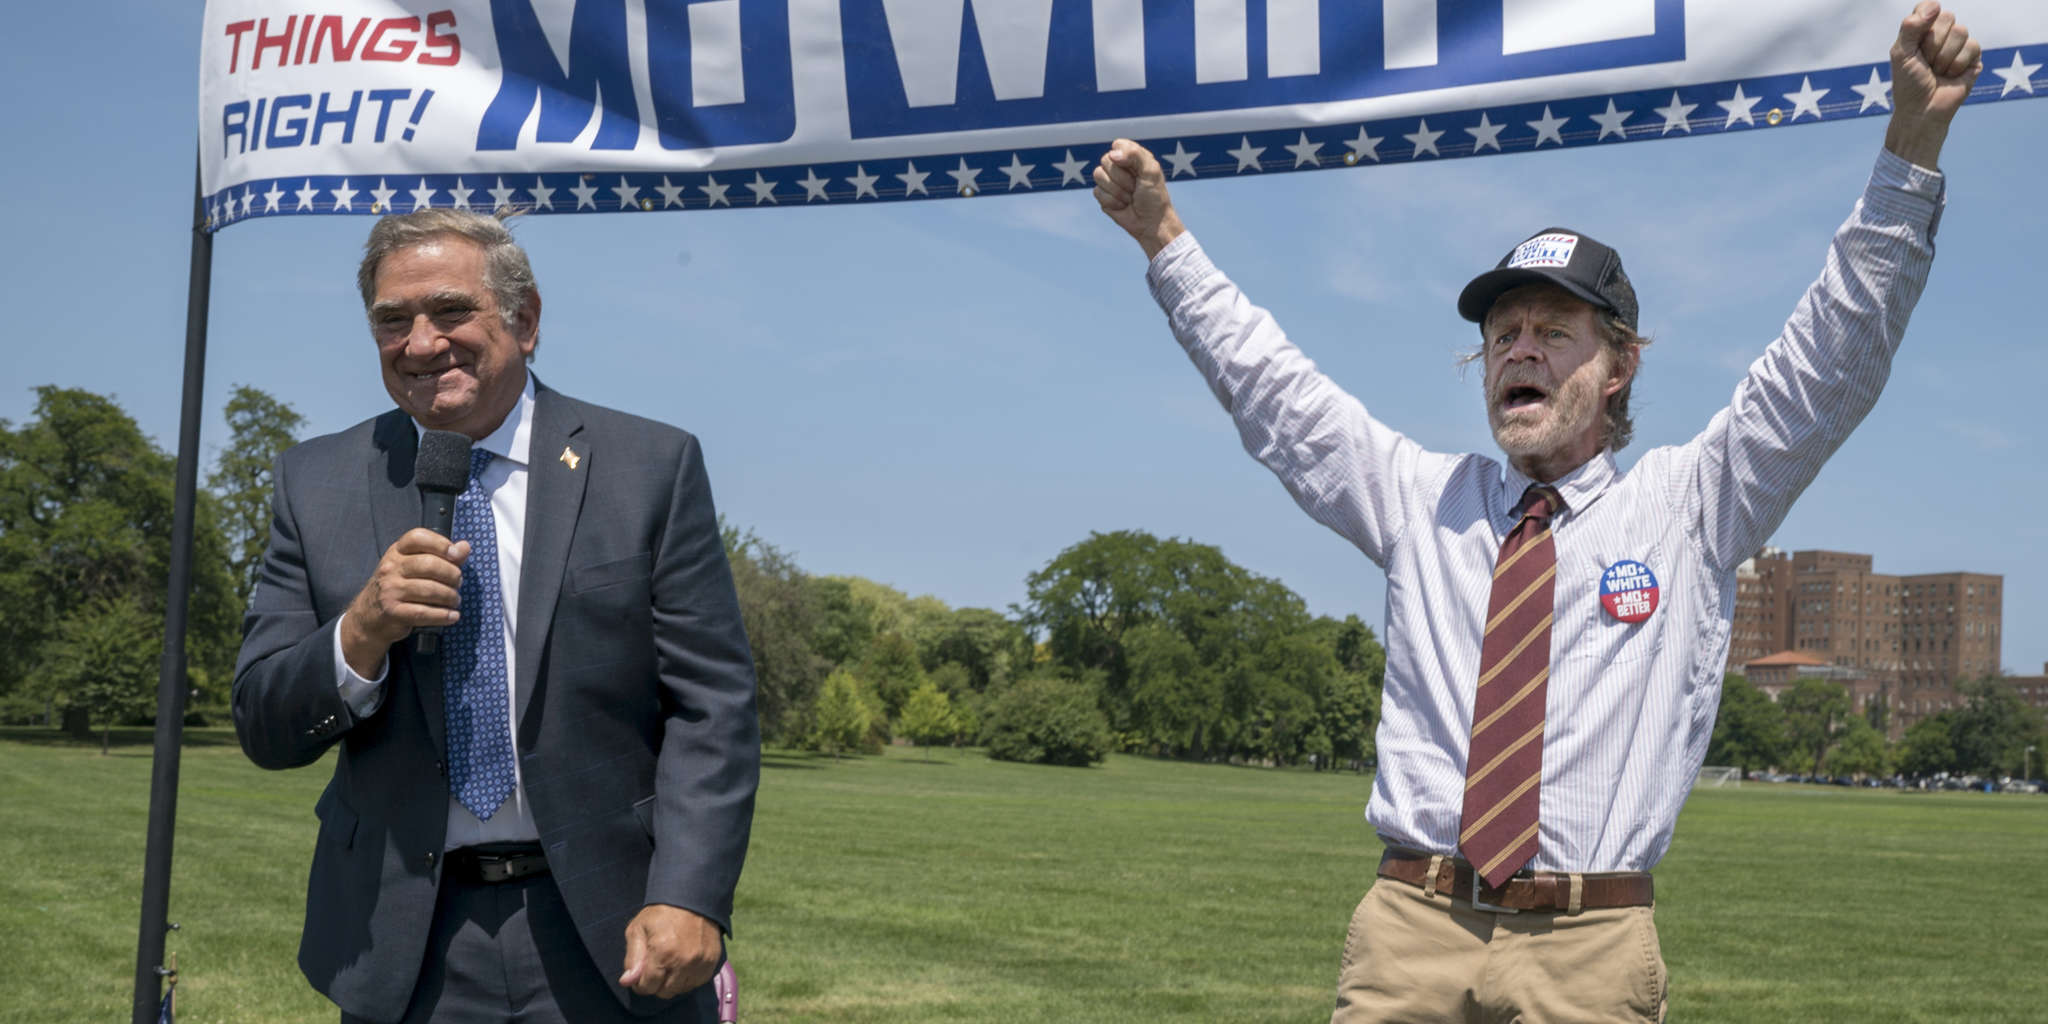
point(1579, 488)
point(513, 440)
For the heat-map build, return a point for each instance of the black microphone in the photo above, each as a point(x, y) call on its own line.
point(440, 471)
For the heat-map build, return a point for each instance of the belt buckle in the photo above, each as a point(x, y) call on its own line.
point(1478, 886)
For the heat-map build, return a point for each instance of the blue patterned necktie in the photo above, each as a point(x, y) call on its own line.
point(474, 686)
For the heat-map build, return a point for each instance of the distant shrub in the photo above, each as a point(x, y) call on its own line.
point(1046, 721)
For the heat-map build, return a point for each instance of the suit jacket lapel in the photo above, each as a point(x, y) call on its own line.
point(394, 509)
point(554, 499)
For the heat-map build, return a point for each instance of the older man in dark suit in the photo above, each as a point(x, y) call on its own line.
point(544, 819)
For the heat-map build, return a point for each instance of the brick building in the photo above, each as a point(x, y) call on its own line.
point(1907, 640)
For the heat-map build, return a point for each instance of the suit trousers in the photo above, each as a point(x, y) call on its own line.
point(507, 953)
point(1417, 958)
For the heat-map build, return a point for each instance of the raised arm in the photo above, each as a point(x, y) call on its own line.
point(1824, 373)
point(1345, 469)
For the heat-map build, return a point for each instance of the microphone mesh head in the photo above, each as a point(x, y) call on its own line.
point(443, 462)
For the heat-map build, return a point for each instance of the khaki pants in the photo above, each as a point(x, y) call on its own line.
point(1416, 958)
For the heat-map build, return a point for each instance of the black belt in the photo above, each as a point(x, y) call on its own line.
point(492, 863)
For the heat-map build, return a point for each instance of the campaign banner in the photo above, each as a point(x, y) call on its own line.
point(577, 106)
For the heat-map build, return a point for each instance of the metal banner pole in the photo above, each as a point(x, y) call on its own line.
point(171, 686)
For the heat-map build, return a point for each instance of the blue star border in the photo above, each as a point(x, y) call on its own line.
point(1746, 104)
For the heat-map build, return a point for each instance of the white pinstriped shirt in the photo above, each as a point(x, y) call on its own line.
point(1631, 706)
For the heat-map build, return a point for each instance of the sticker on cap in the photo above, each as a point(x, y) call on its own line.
point(1552, 250)
point(1629, 591)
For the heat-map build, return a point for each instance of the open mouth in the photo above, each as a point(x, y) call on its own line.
point(1521, 396)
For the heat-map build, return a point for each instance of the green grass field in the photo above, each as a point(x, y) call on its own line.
point(919, 887)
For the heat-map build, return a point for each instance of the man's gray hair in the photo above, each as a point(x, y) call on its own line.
point(507, 272)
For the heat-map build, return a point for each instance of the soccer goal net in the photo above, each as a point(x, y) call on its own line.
point(1712, 776)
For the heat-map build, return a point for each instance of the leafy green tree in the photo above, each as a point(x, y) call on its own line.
point(85, 526)
point(1750, 730)
point(105, 659)
point(1928, 747)
point(1046, 720)
point(1861, 750)
point(990, 647)
point(1176, 702)
point(927, 718)
point(845, 626)
point(781, 613)
point(1198, 657)
point(1992, 729)
point(1816, 713)
point(842, 720)
point(890, 668)
point(260, 428)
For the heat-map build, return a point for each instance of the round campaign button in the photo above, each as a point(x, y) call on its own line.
point(1629, 590)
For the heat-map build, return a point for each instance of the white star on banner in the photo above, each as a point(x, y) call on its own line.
point(1738, 108)
point(964, 178)
point(213, 212)
point(1675, 115)
point(715, 191)
point(1070, 169)
point(863, 183)
point(1364, 147)
point(763, 190)
point(345, 197)
point(629, 196)
point(1019, 172)
point(382, 194)
point(1183, 161)
point(1423, 140)
point(2017, 75)
point(306, 195)
point(1247, 154)
point(1550, 127)
point(671, 195)
point(913, 179)
point(271, 197)
point(422, 197)
point(1807, 99)
point(1305, 152)
point(461, 195)
point(585, 193)
point(814, 186)
point(1876, 92)
point(501, 196)
point(1611, 122)
point(543, 196)
point(1485, 134)
point(248, 200)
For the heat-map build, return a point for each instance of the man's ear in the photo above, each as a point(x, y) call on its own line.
point(1624, 369)
point(529, 323)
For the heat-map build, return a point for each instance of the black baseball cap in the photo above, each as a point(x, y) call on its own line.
point(1559, 256)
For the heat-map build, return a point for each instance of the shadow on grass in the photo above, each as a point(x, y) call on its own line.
point(797, 760)
point(125, 739)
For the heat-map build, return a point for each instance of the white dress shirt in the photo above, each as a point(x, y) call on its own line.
point(1630, 705)
point(505, 479)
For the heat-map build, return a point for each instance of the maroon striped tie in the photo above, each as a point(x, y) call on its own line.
point(1504, 770)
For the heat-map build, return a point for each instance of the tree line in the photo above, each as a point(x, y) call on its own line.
point(1125, 641)
point(85, 536)
point(1811, 728)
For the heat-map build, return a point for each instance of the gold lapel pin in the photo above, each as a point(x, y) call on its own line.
point(569, 457)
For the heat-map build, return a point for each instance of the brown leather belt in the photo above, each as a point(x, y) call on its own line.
point(1541, 891)
point(492, 863)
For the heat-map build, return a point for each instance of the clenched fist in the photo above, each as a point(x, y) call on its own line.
point(1131, 187)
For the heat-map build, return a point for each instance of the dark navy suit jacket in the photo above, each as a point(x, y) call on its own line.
point(638, 742)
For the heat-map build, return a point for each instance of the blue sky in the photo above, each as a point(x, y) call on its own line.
point(943, 395)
